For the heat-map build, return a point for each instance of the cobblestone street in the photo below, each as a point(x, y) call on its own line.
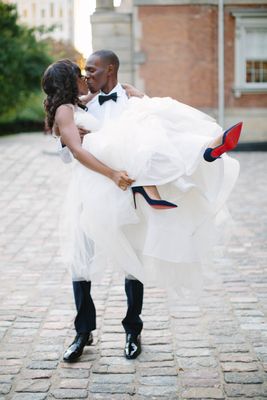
point(215, 348)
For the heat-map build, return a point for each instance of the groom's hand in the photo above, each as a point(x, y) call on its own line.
point(122, 179)
point(83, 132)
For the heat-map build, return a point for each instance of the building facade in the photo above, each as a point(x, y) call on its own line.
point(54, 13)
point(170, 48)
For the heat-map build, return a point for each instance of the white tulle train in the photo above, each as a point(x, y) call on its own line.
point(158, 141)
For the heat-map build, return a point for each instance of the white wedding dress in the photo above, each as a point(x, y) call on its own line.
point(158, 141)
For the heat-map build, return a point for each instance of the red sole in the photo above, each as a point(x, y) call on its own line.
point(163, 207)
point(230, 141)
point(159, 207)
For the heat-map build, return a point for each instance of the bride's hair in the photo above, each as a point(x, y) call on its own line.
point(59, 82)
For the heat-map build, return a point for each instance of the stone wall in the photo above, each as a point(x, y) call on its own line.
point(112, 29)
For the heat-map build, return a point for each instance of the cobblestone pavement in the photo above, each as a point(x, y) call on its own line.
point(213, 349)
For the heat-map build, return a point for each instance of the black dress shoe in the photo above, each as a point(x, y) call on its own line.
point(75, 350)
point(132, 346)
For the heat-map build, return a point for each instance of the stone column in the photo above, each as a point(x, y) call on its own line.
point(104, 5)
point(112, 30)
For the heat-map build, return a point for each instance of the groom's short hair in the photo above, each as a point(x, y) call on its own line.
point(109, 57)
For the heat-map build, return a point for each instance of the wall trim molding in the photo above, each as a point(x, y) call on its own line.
point(196, 2)
point(248, 12)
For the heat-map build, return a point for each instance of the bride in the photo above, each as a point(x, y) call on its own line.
point(163, 236)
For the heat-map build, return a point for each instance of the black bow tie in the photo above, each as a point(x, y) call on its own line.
point(112, 96)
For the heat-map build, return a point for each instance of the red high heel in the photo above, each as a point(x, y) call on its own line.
point(159, 204)
point(229, 142)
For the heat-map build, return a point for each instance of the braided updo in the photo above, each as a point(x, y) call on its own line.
point(59, 82)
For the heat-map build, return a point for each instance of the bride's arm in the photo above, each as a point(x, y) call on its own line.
point(71, 138)
point(131, 91)
point(84, 99)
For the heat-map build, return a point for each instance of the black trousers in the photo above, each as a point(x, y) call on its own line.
point(85, 320)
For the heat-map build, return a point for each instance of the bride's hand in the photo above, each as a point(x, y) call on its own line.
point(122, 180)
point(131, 91)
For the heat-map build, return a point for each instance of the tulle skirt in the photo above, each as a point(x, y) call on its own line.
point(158, 141)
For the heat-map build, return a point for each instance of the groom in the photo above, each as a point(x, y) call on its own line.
point(102, 76)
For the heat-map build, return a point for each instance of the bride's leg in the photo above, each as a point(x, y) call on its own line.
point(216, 142)
point(152, 192)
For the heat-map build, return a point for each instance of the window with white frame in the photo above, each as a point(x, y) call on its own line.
point(250, 52)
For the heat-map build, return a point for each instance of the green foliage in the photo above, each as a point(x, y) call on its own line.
point(31, 109)
point(26, 117)
point(22, 60)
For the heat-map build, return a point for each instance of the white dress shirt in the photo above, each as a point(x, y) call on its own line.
point(110, 109)
point(104, 113)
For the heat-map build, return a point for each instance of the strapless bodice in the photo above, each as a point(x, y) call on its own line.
point(84, 119)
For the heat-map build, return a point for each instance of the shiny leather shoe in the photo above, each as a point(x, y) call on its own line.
point(132, 346)
point(75, 350)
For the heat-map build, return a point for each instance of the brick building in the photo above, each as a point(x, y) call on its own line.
point(170, 48)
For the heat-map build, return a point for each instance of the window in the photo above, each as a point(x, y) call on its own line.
point(25, 13)
point(33, 10)
point(42, 13)
point(256, 71)
point(250, 52)
point(51, 10)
